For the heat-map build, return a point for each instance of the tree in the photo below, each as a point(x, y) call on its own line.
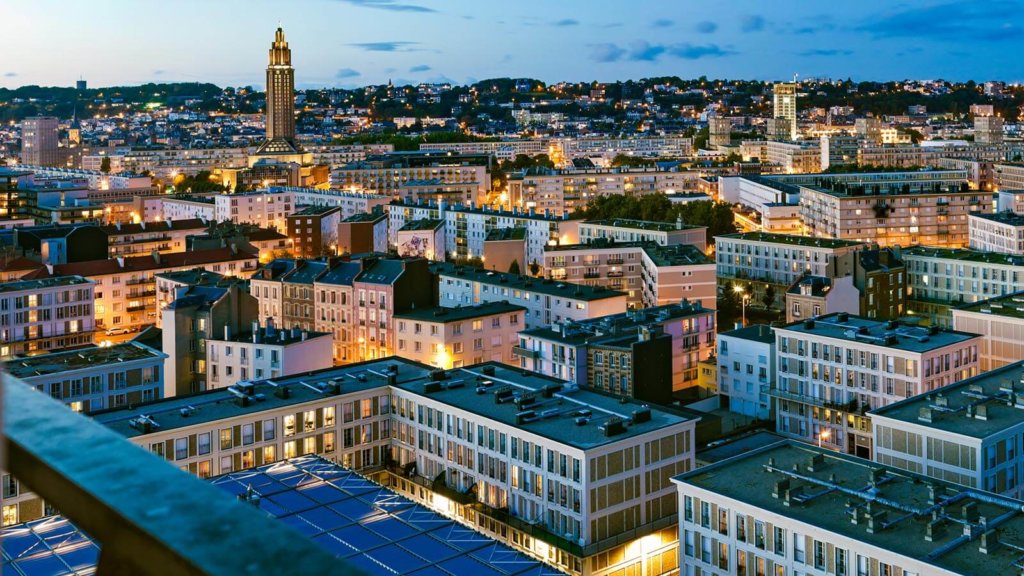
point(513, 268)
point(769, 296)
point(534, 268)
point(105, 165)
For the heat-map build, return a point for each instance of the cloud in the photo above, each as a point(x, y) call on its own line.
point(606, 52)
point(347, 73)
point(158, 72)
point(968, 21)
point(384, 46)
point(644, 51)
point(419, 68)
point(752, 23)
point(10, 74)
point(390, 5)
point(826, 52)
point(706, 27)
point(662, 23)
point(566, 22)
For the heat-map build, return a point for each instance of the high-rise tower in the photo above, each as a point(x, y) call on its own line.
point(280, 99)
point(785, 105)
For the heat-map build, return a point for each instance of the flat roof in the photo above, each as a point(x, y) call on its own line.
point(578, 331)
point(525, 283)
point(1006, 217)
point(827, 488)
point(757, 333)
point(315, 210)
point(422, 224)
point(477, 388)
point(954, 408)
point(674, 255)
point(56, 362)
point(791, 239)
point(220, 403)
point(445, 314)
point(650, 225)
point(964, 254)
point(365, 217)
point(375, 529)
point(887, 334)
point(1011, 305)
point(502, 234)
point(50, 282)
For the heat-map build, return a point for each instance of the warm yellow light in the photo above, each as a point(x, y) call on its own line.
point(738, 289)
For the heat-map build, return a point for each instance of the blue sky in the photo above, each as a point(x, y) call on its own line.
point(357, 42)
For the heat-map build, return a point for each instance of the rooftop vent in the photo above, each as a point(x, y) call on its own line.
point(842, 317)
point(283, 392)
point(642, 414)
point(502, 394)
point(431, 387)
point(613, 426)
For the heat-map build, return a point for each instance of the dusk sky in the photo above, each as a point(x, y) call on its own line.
point(356, 42)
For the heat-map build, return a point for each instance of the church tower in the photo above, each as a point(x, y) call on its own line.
point(280, 99)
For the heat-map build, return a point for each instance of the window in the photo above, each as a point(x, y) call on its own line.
point(203, 469)
point(269, 454)
point(225, 439)
point(309, 421)
point(269, 427)
point(329, 441)
point(248, 434)
point(204, 443)
point(10, 514)
point(290, 449)
point(180, 448)
point(289, 426)
point(309, 445)
point(10, 486)
point(329, 416)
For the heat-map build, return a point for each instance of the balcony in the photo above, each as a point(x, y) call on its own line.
point(614, 261)
point(589, 275)
point(148, 516)
point(525, 352)
point(615, 273)
point(138, 308)
point(138, 281)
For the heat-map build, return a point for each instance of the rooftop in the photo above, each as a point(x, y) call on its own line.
point(757, 333)
point(193, 277)
point(365, 524)
point(791, 239)
point(180, 224)
point(571, 331)
point(648, 225)
point(888, 334)
point(273, 337)
point(675, 255)
point(221, 403)
point(365, 217)
point(819, 285)
point(315, 210)
point(57, 362)
point(978, 407)
point(542, 405)
point(501, 234)
point(144, 263)
point(883, 507)
point(1006, 217)
point(524, 283)
point(963, 254)
point(444, 314)
point(51, 282)
point(1011, 305)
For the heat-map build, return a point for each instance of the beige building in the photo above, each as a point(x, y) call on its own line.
point(794, 157)
point(40, 144)
point(784, 96)
point(1002, 232)
point(783, 258)
point(814, 296)
point(145, 238)
point(834, 369)
point(662, 233)
point(456, 337)
point(46, 315)
point(264, 352)
point(1000, 321)
point(561, 192)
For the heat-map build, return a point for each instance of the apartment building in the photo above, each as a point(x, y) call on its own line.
point(455, 337)
point(938, 279)
point(386, 175)
point(881, 279)
point(264, 208)
point(794, 157)
point(546, 301)
point(746, 370)
point(661, 233)
point(46, 315)
point(782, 258)
point(1000, 322)
point(561, 473)
point(561, 351)
point(166, 163)
point(834, 369)
point(354, 300)
point(169, 285)
point(891, 216)
point(144, 238)
point(467, 228)
point(188, 207)
point(264, 352)
point(801, 509)
point(650, 274)
point(361, 233)
point(422, 238)
point(562, 192)
point(95, 378)
point(1008, 176)
point(125, 290)
point(313, 231)
point(813, 296)
point(351, 202)
point(968, 433)
point(206, 308)
point(1001, 232)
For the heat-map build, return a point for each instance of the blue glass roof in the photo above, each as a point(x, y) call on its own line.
point(349, 515)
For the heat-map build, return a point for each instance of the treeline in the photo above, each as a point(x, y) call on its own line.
point(717, 216)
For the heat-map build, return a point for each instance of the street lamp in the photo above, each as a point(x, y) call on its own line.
point(823, 435)
point(743, 300)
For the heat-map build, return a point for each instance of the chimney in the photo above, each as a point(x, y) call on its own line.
point(118, 226)
point(143, 224)
point(679, 222)
point(268, 329)
point(156, 256)
point(227, 332)
point(255, 331)
point(120, 261)
point(49, 269)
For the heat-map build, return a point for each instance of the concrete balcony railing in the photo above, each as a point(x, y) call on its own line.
point(149, 517)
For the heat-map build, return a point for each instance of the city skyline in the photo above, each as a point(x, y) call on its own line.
point(413, 41)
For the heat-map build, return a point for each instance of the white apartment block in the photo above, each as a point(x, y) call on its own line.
point(662, 233)
point(39, 316)
point(580, 467)
point(455, 337)
point(143, 238)
point(1008, 176)
point(1000, 322)
point(781, 258)
point(168, 162)
point(264, 208)
point(791, 508)
point(1002, 232)
point(834, 369)
point(388, 181)
point(265, 353)
point(188, 208)
point(95, 179)
point(939, 278)
point(665, 147)
point(546, 301)
point(466, 227)
point(746, 369)
point(351, 203)
point(969, 433)
point(561, 192)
